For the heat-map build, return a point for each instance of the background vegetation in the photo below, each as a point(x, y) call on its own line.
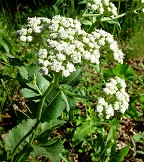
point(124, 130)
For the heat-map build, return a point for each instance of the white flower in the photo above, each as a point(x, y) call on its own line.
point(116, 106)
point(85, 40)
point(53, 27)
point(22, 31)
point(109, 110)
point(94, 7)
point(29, 30)
point(101, 42)
point(63, 35)
point(56, 66)
point(101, 101)
point(122, 84)
point(59, 47)
point(42, 53)
point(37, 29)
point(76, 58)
point(115, 98)
point(99, 108)
point(87, 55)
point(60, 57)
point(65, 73)
point(106, 2)
point(29, 38)
point(101, 10)
point(70, 67)
point(23, 38)
point(113, 46)
point(46, 63)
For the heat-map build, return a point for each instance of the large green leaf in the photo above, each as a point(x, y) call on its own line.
point(120, 70)
point(111, 134)
point(4, 45)
point(17, 133)
point(119, 156)
point(81, 132)
point(54, 105)
point(75, 77)
point(23, 155)
point(46, 128)
point(49, 150)
point(38, 84)
point(28, 93)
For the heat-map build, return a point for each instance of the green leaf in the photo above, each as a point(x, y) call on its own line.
point(81, 132)
point(120, 70)
point(50, 150)
point(46, 128)
point(111, 134)
point(28, 93)
point(4, 45)
point(138, 137)
point(119, 156)
point(54, 105)
point(15, 61)
point(17, 133)
point(86, 22)
point(23, 72)
point(64, 97)
point(23, 155)
point(75, 77)
point(116, 22)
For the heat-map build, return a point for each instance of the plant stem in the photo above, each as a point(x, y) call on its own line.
point(75, 95)
point(73, 8)
point(40, 107)
point(95, 24)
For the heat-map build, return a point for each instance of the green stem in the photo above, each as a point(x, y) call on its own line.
point(75, 95)
point(82, 14)
point(95, 24)
point(54, 83)
point(25, 136)
point(73, 8)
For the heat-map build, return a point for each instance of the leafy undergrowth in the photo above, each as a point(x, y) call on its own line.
point(130, 130)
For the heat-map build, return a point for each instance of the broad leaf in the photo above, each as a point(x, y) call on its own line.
point(49, 150)
point(120, 70)
point(23, 155)
point(28, 93)
point(23, 71)
point(81, 132)
point(4, 45)
point(54, 105)
point(75, 77)
point(119, 157)
point(46, 128)
point(17, 133)
point(111, 134)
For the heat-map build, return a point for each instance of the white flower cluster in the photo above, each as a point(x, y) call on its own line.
point(35, 25)
point(116, 98)
point(103, 6)
point(67, 45)
point(106, 39)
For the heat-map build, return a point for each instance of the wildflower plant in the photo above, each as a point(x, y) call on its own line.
point(63, 47)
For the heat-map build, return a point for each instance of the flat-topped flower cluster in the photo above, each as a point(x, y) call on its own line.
point(115, 98)
point(102, 7)
point(67, 45)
